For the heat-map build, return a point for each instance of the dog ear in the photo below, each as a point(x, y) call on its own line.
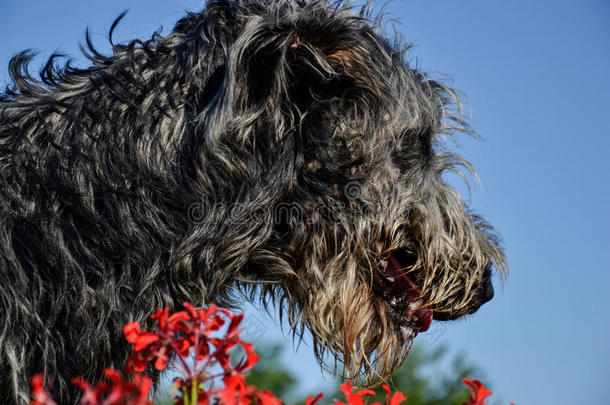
point(252, 83)
point(276, 71)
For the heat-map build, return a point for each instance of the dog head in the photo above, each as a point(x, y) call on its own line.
point(338, 143)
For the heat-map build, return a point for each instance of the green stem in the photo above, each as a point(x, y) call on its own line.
point(194, 385)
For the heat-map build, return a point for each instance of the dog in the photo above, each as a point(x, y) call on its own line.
point(281, 150)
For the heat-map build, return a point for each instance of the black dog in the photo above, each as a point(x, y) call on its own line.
point(282, 149)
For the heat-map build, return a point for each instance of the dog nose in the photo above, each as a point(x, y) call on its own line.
point(487, 292)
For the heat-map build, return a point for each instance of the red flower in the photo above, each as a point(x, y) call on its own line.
point(314, 400)
point(353, 398)
point(249, 360)
point(118, 391)
point(236, 392)
point(174, 323)
point(396, 399)
point(132, 332)
point(267, 398)
point(39, 392)
point(478, 392)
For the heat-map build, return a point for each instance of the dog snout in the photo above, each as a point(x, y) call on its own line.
point(487, 290)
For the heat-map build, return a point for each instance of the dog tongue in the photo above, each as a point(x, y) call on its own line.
point(422, 317)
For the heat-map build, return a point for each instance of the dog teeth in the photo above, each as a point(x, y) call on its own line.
point(383, 264)
point(393, 302)
point(390, 279)
point(416, 304)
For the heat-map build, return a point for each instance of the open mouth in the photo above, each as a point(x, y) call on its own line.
point(405, 302)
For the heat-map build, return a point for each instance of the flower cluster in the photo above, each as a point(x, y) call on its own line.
point(197, 332)
point(195, 342)
point(198, 343)
point(116, 391)
point(478, 393)
point(357, 398)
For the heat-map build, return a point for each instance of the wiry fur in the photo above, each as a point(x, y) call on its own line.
point(278, 143)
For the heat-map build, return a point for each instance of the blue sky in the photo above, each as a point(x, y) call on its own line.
point(536, 74)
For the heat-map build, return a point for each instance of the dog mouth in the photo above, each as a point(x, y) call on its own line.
point(405, 303)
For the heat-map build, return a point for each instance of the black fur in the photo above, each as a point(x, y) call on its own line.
point(155, 177)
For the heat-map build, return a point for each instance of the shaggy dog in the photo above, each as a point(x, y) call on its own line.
point(275, 149)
